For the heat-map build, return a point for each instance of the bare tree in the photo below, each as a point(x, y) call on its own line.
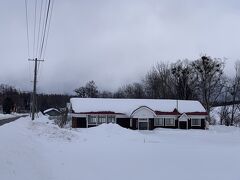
point(90, 90)
point(225, 115)
point(210, 82)
point(184, 79)
point(159, 82)
point(105, 94)
point(135, 90)
point(234, 92)
point(81, 92)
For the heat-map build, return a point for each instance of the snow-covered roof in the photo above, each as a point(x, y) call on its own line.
point(127, 106)
point(50, 109)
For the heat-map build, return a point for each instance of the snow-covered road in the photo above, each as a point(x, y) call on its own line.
point(40, 150)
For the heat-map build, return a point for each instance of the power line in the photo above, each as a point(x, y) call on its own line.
point(50, 18)
point(43, 32)
point(45, 27)
point(26, 13)
point(43, 23)
point(39, 27)
point(35, 16)
point(41, 38)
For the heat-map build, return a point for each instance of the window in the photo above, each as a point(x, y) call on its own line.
point(92, 119)
point(102, 119)
point(159, 122)
point(196, 122)
point(110, 119)
point(99, 119)
point(169, 122)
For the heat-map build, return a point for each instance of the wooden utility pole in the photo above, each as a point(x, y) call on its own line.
point(34, 86)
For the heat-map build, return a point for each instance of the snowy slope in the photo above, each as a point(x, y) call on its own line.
point(40, 150)
point(127, 106)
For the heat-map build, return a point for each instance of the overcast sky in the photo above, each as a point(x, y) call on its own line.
point(115, 42)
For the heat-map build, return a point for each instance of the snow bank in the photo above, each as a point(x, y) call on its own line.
point(109, 128)
point(20, 153)
point(42, 126)
point(127, 106)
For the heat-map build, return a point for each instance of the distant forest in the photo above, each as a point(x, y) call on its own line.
point(16, 100)
point(202, 79)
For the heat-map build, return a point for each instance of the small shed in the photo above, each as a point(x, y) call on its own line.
point(52, 113)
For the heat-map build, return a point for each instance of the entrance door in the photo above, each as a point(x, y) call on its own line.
point(182, 124)
point(143, 124)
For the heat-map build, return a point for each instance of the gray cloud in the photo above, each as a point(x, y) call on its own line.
point(116, 42)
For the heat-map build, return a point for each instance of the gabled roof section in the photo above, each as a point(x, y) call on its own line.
point(183, 117)
point(143, 112)
point(127, 106)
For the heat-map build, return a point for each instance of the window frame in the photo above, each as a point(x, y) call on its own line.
point(157, 120)
point(113, 119)
point(199, 120)
point(100, 119)
point(90, 122)
point(165, 120)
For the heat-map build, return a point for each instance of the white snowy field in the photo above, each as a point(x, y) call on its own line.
point(40, 150)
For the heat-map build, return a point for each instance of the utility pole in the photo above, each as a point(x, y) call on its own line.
point(34, 86)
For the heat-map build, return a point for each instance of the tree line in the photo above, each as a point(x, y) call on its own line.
point(202, 79)
point(12, 99)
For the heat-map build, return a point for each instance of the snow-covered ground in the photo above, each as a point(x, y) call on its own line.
point(40, 150)
point(7, 116)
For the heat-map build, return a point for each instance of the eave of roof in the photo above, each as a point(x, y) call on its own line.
point(100, 112)
point(174, 113)
point(167, 113)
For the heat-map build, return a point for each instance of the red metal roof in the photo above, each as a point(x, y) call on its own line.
point(197, 113)
point(167, 113)
point(174, 112)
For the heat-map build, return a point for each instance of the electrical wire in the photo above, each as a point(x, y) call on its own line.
point(34, 33)
point(49, 23)
point(45, 28)
point(26, 13)
point(39, 27)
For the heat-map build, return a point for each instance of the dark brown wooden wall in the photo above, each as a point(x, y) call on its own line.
point(151, 124)
point(79, 122)
point(124, 122)
point(134, 123)
point(74, 122)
